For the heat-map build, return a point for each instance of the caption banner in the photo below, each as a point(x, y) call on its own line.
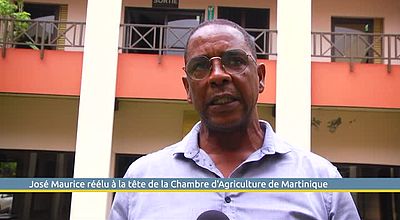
point(199, 184)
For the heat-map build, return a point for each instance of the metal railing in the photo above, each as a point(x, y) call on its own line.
point(40, 35)
point(356, 47)
point(265, 40)
point(159, 39)
point(164, 39)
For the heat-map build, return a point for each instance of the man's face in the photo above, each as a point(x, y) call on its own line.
point(224, 101)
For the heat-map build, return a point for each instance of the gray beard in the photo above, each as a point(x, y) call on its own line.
point(225, 128)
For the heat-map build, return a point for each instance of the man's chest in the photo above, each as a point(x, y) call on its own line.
point(238, 206)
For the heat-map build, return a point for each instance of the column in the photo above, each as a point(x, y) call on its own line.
point(56, 200)
point(96, 105)
point(26, 214)
point(293, 80)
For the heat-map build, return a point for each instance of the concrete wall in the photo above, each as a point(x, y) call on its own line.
point(142, 127)
point(49, 123)
point(146, 127)
point(369, 137)
point(40, 123)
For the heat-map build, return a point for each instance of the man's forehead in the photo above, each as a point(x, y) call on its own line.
point(209, 34)
point(213, 29)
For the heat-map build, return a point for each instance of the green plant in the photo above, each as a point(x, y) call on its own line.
point(13, 10)
point(9, 9)
point(8, 169)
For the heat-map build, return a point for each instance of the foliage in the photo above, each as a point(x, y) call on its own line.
point(8, 169)
point(9, 9)
point(14, 10)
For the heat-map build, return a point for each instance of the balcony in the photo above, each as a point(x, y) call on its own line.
point(41, 35)
point(60, 46)
point(357, 48)
point(163, 40)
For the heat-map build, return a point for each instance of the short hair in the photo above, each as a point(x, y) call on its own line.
point(247, 37)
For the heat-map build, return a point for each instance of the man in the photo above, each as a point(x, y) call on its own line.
point(223, 81)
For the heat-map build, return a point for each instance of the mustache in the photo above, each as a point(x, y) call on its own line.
point(232, 96)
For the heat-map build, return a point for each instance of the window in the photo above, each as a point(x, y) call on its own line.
point(46, 12)
point(24, 163)
point(123, 161)
point(254, 18)
point(374, 205)
point(352, 38)
point(147, 30)
point(44, 31)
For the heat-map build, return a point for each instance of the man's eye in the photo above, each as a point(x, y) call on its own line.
point(200, 66)
point(235, 62)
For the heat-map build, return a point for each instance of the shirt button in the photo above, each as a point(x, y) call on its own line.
point(228, 199)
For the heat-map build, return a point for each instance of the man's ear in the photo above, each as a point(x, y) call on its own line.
point(261, 72)
point(187, 88)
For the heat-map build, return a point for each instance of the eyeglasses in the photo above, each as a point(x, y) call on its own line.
point(233, 61)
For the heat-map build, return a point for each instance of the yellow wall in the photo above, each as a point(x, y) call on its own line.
point(370, 137)
point(144, 127)
point(49, 123)
point(38, 123)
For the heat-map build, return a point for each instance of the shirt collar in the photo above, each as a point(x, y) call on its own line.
point(272, 144)
point(189, 145)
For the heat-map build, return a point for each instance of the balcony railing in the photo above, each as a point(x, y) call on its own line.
point(153, 38)
point(352, 47)
point(164, 39)
point(41, 35)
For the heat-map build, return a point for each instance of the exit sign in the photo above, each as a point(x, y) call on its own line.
point(165, 3)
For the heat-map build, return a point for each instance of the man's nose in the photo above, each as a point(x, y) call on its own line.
point(218, 75)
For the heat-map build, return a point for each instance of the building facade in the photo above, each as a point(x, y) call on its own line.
point(91, 86)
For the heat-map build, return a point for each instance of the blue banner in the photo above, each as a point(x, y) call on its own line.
point(199, 184)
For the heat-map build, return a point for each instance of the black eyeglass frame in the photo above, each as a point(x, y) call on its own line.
point(220, 58)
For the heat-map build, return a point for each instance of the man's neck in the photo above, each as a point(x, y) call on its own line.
point(229, 149)
point(240, 139)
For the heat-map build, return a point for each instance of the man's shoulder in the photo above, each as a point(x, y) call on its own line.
point(294, 157)
point(311, 163)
